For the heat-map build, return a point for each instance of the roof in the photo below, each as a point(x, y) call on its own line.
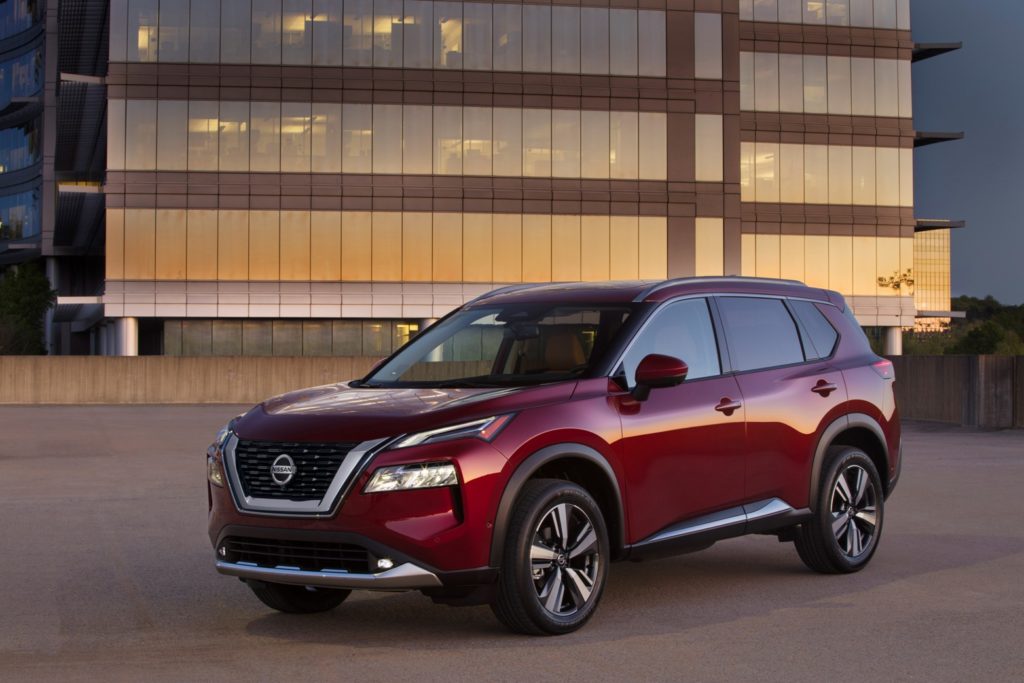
point(636, 291)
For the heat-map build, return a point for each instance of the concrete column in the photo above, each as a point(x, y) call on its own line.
point(894, 341)
point(436, 354)
point(101, 339)
point(126, 332)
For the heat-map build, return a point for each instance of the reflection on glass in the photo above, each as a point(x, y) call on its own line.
point(266, 31)
point(448, 35)
point(537, 38)
point(594, 148)
point(356, 138)
point(707, 43)
point(140, 151)
point(593, 40)
point(766, 81)
point(537, 142)
point(358, 33)
point(416, 30)
point(651, 52)
point(508, 142)
point(862, 84)
point(265, 137)
point(624, 149)
point(565, 39)
point(173, 32)
point(622, 50)
point(838, 85)
point(327, 136)
point(476, 145)
point(508, 38)
point(708, 147)
point(387, 33)
point(387, 147)
point(296, 38)
point(296, 137)
point(143, 37)
point(204, 32)
point(234, 136)
point(202, 135)
point(447, 150)
point(565, 138)
point(328, 31)
point(477, 35)
point(416, 149)
point(235, 28)
point(172, 135)
point(19, 215)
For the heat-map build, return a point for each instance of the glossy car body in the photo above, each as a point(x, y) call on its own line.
point(736, 452)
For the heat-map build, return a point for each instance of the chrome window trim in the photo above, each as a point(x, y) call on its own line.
point(350, 468)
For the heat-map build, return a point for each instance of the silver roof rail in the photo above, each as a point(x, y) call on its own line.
point(710, 279)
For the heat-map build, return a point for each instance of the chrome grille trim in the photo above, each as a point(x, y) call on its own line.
point(338, 489)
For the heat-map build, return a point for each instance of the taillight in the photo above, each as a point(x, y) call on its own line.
point(884, 368)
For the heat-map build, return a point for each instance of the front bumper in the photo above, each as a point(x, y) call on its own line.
point(405, 576)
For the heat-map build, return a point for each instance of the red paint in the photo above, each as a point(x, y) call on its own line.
point(700, 446)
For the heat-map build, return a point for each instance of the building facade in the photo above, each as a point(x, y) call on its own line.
point(324, 177)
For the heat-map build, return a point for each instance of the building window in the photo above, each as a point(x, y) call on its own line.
point(297, 137)
point(419, 34)
point(708, 147)
point(887, 14)
point(707, 44)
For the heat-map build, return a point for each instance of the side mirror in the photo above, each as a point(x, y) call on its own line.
point(656, 371)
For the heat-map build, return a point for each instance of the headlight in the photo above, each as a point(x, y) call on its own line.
point(485, 429)
point(214, 473)
point(426, 475)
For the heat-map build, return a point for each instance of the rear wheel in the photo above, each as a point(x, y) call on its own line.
point(843, 535)
point(555, 560)
point(298, 599)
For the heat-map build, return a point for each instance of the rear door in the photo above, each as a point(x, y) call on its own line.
point(789, 390)
point(682, 448)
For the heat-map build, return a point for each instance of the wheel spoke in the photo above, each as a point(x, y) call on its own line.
point(554, 592)
point(839, 521)
point(541, 554)
point(560, 519)
point(843, 489)
point(580, 586)
point(855, 545)
point(867, 516)
point(859, 485)
point(586, 542)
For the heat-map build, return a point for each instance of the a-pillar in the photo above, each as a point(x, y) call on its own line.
point(126, 334)
point(893, 341)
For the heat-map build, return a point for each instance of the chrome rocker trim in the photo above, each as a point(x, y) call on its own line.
point(404, 576)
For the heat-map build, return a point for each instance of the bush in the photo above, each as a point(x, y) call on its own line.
point(25, 296)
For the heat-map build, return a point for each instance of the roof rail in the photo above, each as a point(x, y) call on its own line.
point(505, 290)
point(727, 278)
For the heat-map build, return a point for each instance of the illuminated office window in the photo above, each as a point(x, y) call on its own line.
point(234, 136)
point(143, 34)
point(203, 124)
point(448, 52)
point(296, 32)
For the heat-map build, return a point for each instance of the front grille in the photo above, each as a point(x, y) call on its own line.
point(315, 467)
point(310, 556)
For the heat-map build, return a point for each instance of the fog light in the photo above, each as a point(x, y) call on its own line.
point(385, 563)
point(222, 551)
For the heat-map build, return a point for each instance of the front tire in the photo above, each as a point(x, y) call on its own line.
point(843, 535)
point(298, 599)
point(555, 560)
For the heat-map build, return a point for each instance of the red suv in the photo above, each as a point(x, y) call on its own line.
point(513, 450)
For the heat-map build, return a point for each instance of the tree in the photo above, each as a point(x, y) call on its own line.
point(25, 296)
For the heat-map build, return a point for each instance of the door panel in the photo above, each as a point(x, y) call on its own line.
point(682, 457)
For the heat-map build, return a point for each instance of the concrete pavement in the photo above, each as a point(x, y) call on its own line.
point(106, 573)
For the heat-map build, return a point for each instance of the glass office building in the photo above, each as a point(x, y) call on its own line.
point(324, 177)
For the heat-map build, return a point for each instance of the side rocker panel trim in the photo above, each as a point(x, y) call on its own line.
point(527, 468)
point(840, 425)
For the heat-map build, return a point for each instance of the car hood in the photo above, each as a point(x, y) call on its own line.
point(340, 412)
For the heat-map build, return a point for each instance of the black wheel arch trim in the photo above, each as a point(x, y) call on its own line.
point(526, 469)
point(829, 434)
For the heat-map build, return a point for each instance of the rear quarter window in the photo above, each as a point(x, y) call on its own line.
point(822, 337)
point(760, 332)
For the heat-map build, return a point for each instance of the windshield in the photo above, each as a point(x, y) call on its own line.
point(510, 345)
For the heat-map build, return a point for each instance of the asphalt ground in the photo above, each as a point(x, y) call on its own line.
point(106, 573)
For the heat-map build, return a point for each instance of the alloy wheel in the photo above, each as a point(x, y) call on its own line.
point(564, 559)
point(854, 511)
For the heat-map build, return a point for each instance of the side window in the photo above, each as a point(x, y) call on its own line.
point(822, 335)
point(682, 330)
point(761, 333)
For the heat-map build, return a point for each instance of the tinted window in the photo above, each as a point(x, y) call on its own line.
point(681, 330)
point(761, 333)
point(822, 335)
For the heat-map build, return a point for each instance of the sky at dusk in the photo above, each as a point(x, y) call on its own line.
point(978, 90)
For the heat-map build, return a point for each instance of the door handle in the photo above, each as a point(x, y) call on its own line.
point(823, 387)
point(728, 406)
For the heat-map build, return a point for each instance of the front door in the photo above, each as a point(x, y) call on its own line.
point(681, 449)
